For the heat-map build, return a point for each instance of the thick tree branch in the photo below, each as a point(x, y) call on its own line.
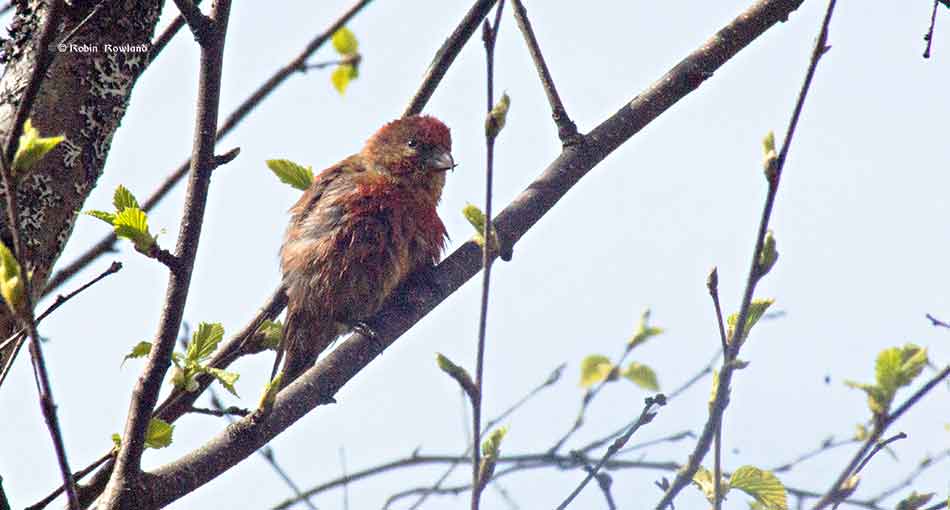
point(412, 302)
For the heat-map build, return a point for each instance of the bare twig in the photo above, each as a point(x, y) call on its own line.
point(774, 174)
point(826, 445)
point(646, 416)
point(712, 283)
point(20, 336)
point(489, 36)
point(552, 378)
point(566, 129)
point(106, 244)
point(527, 461)
point(145, 395)
point(926, 464)
point(43, 58)
point(929, 37)
point(937, 322)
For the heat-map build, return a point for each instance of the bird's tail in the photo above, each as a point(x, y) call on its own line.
point(306, 335)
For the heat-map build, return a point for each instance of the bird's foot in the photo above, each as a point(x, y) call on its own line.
point(366, 330)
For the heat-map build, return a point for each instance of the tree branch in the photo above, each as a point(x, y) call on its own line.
point(127, 472)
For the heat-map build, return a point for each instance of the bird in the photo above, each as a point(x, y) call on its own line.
point(361, 228)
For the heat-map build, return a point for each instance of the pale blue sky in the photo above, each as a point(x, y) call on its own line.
point(861, 223)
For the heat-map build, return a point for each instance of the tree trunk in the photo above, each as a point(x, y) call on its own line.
point(83, 97)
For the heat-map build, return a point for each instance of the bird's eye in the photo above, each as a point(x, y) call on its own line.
point(412, 143)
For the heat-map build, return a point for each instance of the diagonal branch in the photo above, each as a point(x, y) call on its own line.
point(168, 483)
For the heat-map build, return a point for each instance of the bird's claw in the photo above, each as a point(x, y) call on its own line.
point(366, 330)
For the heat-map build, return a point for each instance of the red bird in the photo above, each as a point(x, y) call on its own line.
point(362, 227)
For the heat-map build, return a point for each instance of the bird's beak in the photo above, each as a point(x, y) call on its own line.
point(442, 161)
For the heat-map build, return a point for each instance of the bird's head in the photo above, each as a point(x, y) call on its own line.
point(416, 148)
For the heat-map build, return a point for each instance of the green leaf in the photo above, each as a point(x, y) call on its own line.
point(915, 501)
point(642, 375)
point(271, 332)
point(184, 379)
point(476, 218)
point(344, 42)
point(757, 309)
point(291, 173)
point(102, 215)
point(32, 148)
point(879, 401)
point(495, 121)
point(492, 445)
point(123, 198)
point(11, 279)
point(762, 485)
point(227, 379)
point(644, 331)
point(140, 350)
point(899, 366)
point(271, 389)
point(204, 341)
point(116, 441)
point(768, 256)
point(703, 479)
point(159, 434)
point(595, 368)
point(458, 373)
point(341, 77)
point(132, 224)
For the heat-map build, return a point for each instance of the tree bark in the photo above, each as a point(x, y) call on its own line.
point(83, 97)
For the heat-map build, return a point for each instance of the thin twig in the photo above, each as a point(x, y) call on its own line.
point(826, 445)
point(712, 284)
point(566, 129)
point(107, 243)
point(832, 495)
point(878, 447)
point(929, 37)
point(346, 486)
point(525, 461)
point(937, 322)
point(145, 395)
point(489, 36)
point(222, 412)
point(646, 416)
point(552, 378)
point(43, 57)
point(20, 336)
point(721, 401)
point(924, 465)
